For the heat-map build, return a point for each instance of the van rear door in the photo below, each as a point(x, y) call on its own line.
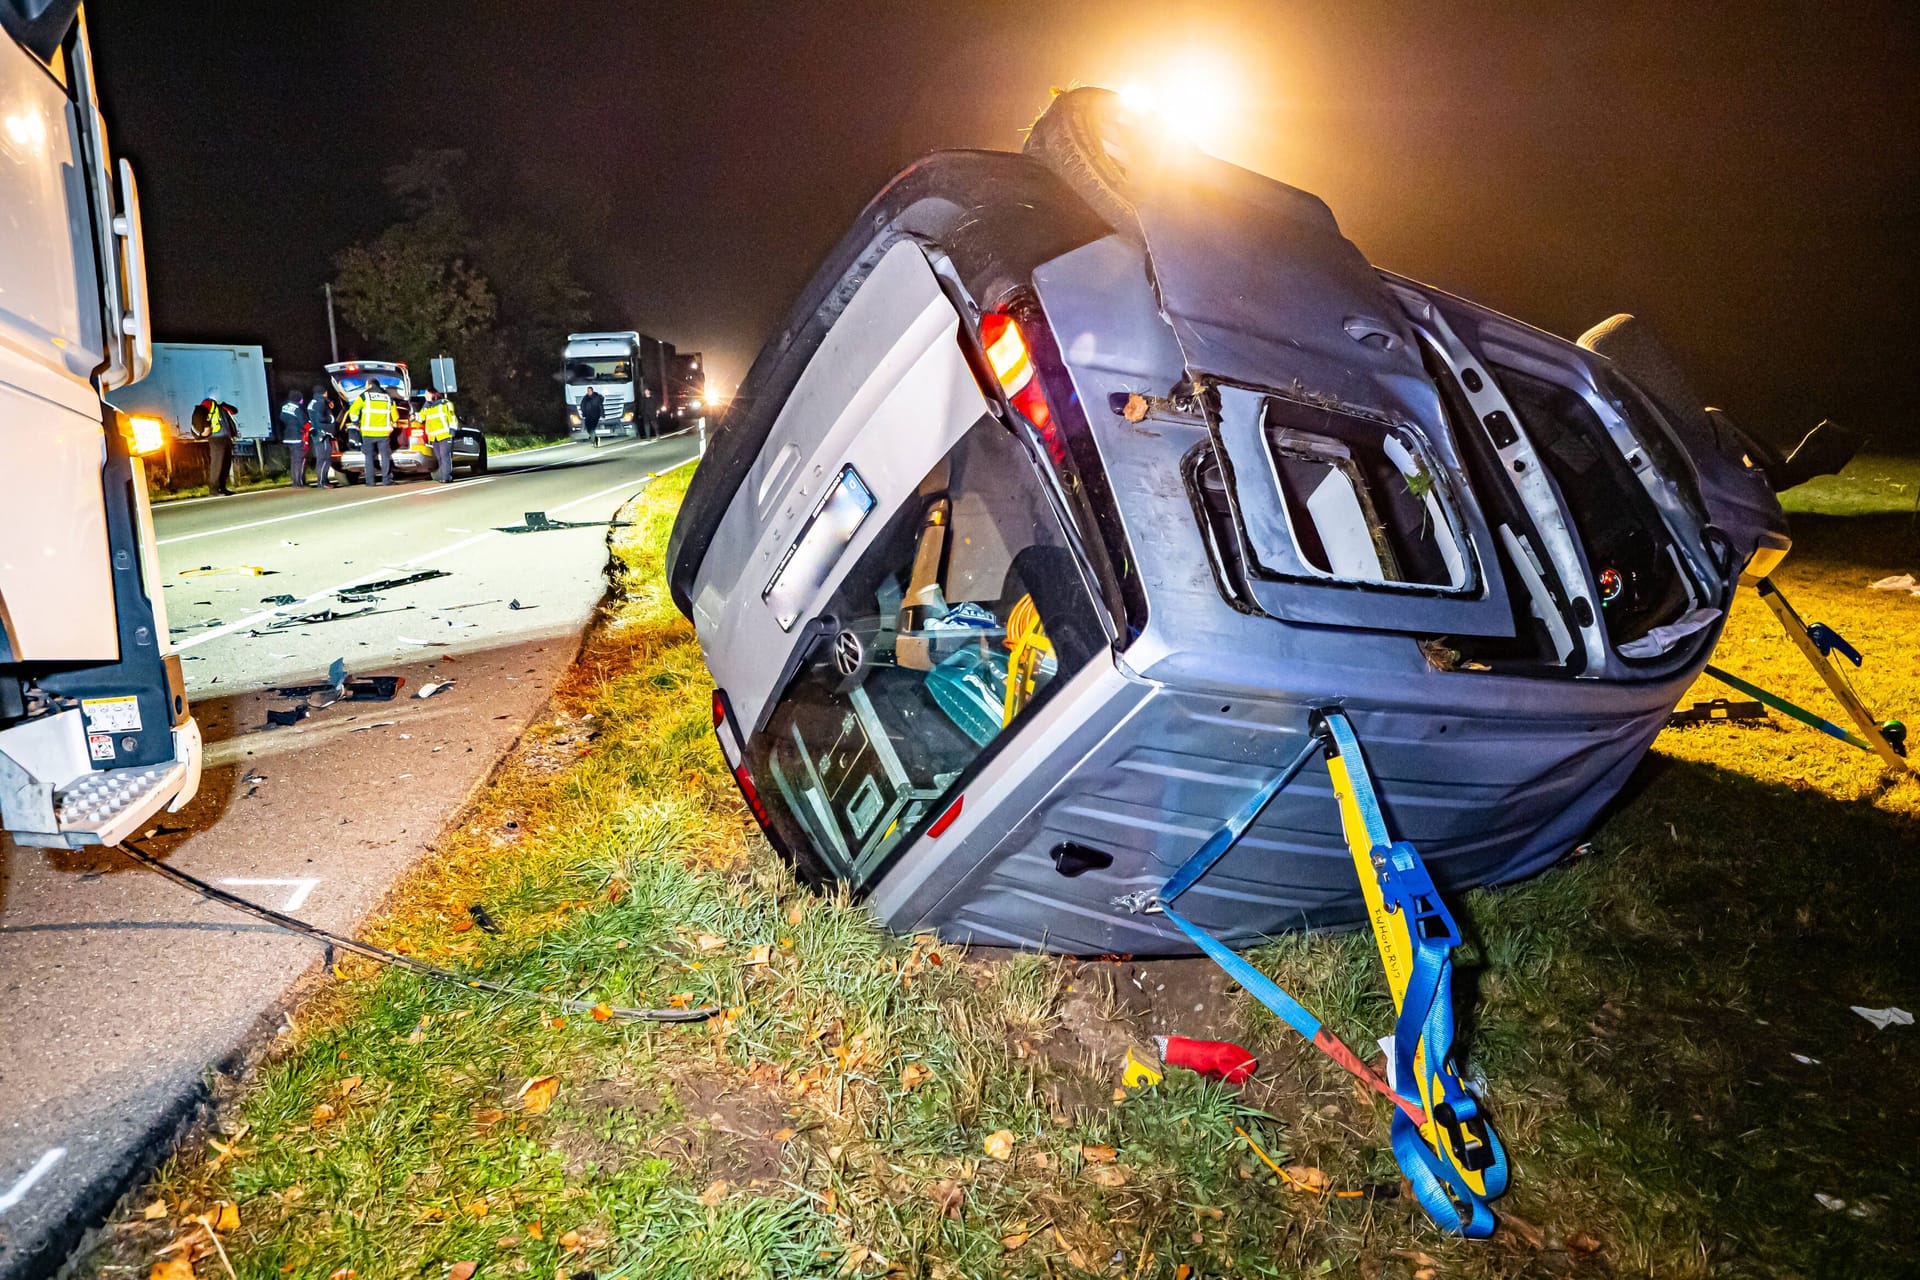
point(886, 396)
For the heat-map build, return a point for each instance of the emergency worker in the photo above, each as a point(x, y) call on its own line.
point(438, 417)
point(373, 413)
point(320, 434)
point(213, 421)
point(293, 432)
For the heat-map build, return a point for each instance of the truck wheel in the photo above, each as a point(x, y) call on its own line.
point(1086, 139)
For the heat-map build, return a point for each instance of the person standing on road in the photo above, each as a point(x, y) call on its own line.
point(592, 405)
point(438, 417)
point(213, 421)
point(320, 435)
point(293, 431)
point(372, 412)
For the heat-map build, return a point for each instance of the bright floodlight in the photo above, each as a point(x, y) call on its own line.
point(145, 435)
point(1189, 97)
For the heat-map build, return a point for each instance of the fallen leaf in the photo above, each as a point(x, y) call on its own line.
point(322, 1114)
point(948, 1196)
point(556, 1022)
point(853, 1261)
point(1307, 1178)
point(570, 1240)
point(536, 1095)
point(1581, 1242)
point(709, 942)
point(602, 1012)
point(478, 1209)
point(1208, 1211)
point(178, 1267)
point(348, 1085)
point(796, 913)
point(158, 1209)
point(1183, 1271)
point(680, 999)
point(759, 953)
point(1097, 1155)
point(1106, 1175)
point(462, 1270)
point(507, 1242)
point(783, 1135)
point(461, 926)
point(344, 1273)
point(999, 1144)
point(716, 1192)
point(1015, 1239)
point(487, 1117)
point(534, 1231)
point(913, 1075)
point(1119, 1094)
point(226, 1216)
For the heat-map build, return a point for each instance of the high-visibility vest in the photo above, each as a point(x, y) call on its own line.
point(439, 421)
point(372, 413)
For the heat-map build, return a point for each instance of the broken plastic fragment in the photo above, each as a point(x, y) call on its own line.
point(1891, 1016)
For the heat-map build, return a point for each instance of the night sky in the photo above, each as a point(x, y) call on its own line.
point(1745, 182)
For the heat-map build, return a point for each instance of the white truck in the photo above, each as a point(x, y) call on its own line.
point(95, 736)
point(609, 363)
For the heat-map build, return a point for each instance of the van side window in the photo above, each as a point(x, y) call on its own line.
point(960, 618)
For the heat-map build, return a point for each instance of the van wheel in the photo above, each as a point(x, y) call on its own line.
point(1085, 138)
point(478, 467)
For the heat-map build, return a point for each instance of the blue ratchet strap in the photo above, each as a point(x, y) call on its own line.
point(1455, 1163)
point(1263, 988)
point(1827, 640)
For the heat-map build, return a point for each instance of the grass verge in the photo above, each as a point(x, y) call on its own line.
point(871, 1105)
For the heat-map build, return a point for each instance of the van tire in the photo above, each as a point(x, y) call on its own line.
point(478, 467)
point(1070, 138)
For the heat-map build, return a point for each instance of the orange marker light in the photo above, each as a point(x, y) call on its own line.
point(1007, 353)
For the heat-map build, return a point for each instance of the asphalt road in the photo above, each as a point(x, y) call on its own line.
point(121, 996)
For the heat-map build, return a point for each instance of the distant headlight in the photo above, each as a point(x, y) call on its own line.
point(574, 418)
point(146, 435)
point(627, 416)
point(693, 404)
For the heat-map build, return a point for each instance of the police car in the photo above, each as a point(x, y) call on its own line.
point(412, 455)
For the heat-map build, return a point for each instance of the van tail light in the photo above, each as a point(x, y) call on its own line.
point(1011, 360)
point(730, 747)
point(751, 795)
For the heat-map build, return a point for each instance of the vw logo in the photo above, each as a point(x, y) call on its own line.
point(848, 653)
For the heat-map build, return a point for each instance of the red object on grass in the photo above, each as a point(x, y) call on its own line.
point(1220, 1058)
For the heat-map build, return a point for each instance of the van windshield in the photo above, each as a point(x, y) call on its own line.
point(955, 624)
point(584, 370)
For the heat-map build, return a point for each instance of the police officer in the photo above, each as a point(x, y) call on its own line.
point(213, 422)
point(373, 412)
point(439, 419)
point(293, 431)
point(320, 434)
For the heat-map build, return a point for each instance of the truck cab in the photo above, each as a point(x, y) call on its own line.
point(610, 364)
point(95, 734)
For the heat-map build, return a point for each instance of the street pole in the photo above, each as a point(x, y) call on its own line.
point(333, 335)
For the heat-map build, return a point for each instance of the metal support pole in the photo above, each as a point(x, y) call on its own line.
point(333, 335)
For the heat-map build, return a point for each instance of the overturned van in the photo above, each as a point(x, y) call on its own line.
point(1076, 482)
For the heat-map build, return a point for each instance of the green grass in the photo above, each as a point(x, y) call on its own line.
point(1635, 1014)
point(1872, 484)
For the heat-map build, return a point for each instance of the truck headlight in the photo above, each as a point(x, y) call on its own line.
point(574, 418)
point(627, 416)
point(146, 435)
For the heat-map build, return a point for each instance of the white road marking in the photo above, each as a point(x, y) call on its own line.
point(254, 619)
point(301, 886)
point(18, 1191)
point(318, 511)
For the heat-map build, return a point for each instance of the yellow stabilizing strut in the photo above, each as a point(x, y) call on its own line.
point(1415, 934)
